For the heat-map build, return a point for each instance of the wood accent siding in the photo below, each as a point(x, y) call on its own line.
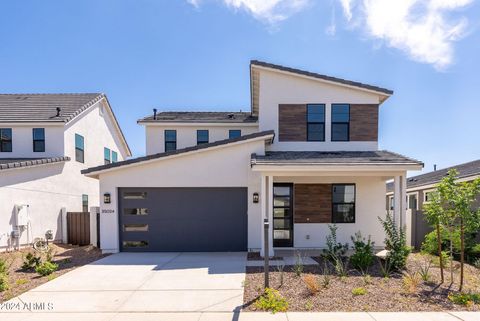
point(78, 228)
point(292, 122)
point(313, 203)
point(364, 122)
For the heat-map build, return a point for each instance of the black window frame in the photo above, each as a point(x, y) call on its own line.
point(38, 144)
point(334, 221)
point(170, 142)
point(340, 123)
point(6, 142)
point(315, 123)
point(239, 131)
point(84, 202)
point(199, 142)
point(80, 151)
point(107, 152)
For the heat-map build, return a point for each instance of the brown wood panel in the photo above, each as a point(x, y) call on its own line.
point(292, 122)
point(78, 228)
point(313, 203)
point(364, 122)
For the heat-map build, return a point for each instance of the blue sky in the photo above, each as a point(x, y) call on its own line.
point(194, 55)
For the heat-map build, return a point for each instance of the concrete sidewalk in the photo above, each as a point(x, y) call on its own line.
point(246, 316)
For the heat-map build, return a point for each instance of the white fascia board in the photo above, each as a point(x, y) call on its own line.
point(352, 167)
point(334, 83)
point(209, 149)
point(195, 124)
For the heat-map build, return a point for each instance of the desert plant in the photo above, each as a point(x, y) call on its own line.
point(359, 291)
point(363, 256)
point(272, 301)
point(385, 268)
point(281, 269)
point(395, 243)
point(463, 298)
point(424, 269)
point(325, 276)
point(31, 261)
point(411, 281)
point(334, 249)
point(49, 254)
point(367, 279)
point(311, 283)
point(4, 284)
point(46, 268)
point(21, 281)
point(3, 266)
point(341, 266)
point(309, 305)
point(298, 266)
point(476, 263)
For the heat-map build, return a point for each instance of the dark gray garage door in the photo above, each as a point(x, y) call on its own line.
point(183, 219)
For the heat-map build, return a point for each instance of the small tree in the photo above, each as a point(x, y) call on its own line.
point(435, 214)
point(451, 206)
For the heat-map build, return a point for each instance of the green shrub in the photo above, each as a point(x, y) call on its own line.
point(334, 249)
point(430, 244)
point(363, 256)
point(30, 261)
point(464, 298)
point(359, 291)
point(21, 281)
point(3, 266)
point(395, 243)
point(46, 268)
point(4, 285)
point(272, 301)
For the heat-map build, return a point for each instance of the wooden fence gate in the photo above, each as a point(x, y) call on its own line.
point(78, 228)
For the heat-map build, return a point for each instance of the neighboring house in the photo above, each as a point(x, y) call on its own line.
point(305, 156)
point(419, 189)
point(45, 141)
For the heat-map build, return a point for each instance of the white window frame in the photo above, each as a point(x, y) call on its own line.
point(425, 195)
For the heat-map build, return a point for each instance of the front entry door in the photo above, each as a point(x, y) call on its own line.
point(282, 215)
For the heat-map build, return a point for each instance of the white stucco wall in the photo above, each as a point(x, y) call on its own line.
point(48, 188)
point(22, 141)
point(221, 167)
point(370, 204)
point(278, 88)
point(187, 134)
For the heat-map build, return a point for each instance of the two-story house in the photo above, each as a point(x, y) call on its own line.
point(305, 156)
point(45, 142)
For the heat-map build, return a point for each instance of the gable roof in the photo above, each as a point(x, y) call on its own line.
point(265, 134)
point(10, 163)
point(200, 117)
point(381, 157)
point(43, 107)
point(465, 170)
point(340, 81)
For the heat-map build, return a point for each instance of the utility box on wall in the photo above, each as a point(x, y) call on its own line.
point(22, 213)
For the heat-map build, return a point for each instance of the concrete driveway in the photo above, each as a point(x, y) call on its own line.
point(147, 282)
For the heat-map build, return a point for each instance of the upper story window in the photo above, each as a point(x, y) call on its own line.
point(340, 122)
point(114, 157)
point(38, 139)
point(79, 148)
point(170, 140)
point(202, 136)
point(5, 139)
point(106, 156)
point(343, 203)
point(316, 122)
point(234, 133)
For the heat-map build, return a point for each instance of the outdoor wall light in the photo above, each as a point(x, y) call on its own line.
point(255, 197)
point(106, 198)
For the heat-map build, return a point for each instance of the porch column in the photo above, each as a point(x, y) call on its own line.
point(270, 214)
point(396, 200)
point(263, 207)
point(403, 202)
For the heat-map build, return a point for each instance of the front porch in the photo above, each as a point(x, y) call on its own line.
point(300, 199)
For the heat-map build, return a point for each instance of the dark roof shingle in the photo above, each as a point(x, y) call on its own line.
point(200, 117)
point(340, 157)
point(178, 151)
point(323, 77)
point(9, 163)
point(43, 107)
point(464, 170)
